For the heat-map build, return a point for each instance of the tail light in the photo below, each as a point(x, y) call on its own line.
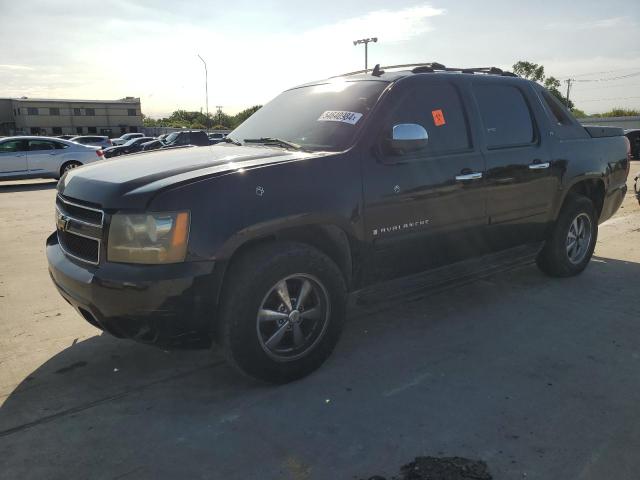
point(628, 154)
point(100, 153)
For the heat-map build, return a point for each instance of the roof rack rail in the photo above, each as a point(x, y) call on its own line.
point(430, 68)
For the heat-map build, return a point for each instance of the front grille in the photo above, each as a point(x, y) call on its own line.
point(79, 230)
point(85, 214)
point(80, 247)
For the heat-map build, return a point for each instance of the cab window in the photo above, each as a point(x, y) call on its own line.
point(438, 108)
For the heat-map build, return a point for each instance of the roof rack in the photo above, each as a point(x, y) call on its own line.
point(430, 68)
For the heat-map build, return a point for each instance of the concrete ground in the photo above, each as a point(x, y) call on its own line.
point(538, 377)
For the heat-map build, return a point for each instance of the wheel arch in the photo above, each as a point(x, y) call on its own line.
point(591, 187)
point(330, 239)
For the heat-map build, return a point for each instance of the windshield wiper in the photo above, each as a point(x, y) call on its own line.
point(231, 140)
point(274, 141)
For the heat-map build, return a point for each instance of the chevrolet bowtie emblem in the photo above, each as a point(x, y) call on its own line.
point(61, 222)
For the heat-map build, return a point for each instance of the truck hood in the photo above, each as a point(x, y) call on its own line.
point(133, 180)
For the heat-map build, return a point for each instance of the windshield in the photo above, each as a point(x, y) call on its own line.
point(171, 137)
point(318, 117)
point(132, 141)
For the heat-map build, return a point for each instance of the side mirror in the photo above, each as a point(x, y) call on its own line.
point(408, 137)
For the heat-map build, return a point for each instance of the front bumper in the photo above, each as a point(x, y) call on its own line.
point(165, 305)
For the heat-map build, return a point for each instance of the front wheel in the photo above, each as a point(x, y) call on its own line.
point(570, 245)
point(282, 311)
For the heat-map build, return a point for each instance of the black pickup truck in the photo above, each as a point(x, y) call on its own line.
point(333, 187)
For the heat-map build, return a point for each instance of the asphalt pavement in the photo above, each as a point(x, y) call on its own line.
point(537, 377)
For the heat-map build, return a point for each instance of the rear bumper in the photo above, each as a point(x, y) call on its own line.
point(165, 305)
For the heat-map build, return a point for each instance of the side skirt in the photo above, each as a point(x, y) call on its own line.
point(419, 285)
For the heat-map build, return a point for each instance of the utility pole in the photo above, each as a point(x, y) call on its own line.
point(568, 80)
point(366, 49)
point(206, 89)
point(219, 107)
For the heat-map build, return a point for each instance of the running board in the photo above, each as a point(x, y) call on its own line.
point(422, 284)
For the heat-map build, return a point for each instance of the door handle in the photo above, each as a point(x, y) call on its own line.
point(469, 176)
point(539, 165)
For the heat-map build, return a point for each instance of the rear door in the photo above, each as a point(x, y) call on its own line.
point(13, 158)
point(45, 157)
point(424, 208)
point(520, 178)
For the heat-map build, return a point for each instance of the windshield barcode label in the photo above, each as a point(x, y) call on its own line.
point(340, 116)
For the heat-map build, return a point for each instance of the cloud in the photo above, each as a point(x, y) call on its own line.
point(389, 26)
point(15, 67)
point(603, 23)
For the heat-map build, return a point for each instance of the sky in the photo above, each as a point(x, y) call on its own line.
point(110, 49)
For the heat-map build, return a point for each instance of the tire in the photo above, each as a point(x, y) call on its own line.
point(280, 350)
point(558, 258)
point(68, 166)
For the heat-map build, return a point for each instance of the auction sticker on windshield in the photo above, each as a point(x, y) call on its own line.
point(340, 116)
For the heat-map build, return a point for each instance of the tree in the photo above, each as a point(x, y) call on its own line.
point(198, 120)
point(535, 72)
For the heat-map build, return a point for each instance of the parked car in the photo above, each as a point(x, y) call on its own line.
point(125, 138)
point(186, 137)
point(132, 146)
point(215, 138)
point(152, 145)
point(93, 140)
point(42, 157)
point(332, 187)
point(634, 140)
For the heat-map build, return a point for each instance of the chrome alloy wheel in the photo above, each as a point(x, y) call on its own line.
point(579, 238)
point(293, 317)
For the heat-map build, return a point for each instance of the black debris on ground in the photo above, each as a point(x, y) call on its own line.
point(442, 468)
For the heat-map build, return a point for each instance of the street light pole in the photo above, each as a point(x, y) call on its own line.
point(206, 88)
point(366, 49)
point(219, 108)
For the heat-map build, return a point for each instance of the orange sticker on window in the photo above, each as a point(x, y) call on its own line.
point(438, 117)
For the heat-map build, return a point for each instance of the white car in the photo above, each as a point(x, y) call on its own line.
point(42, 157)
point(125, 138)
point(93, 140)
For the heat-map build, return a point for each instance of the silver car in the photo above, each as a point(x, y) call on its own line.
point(93, 140)
point(42, 157)
point(126, 137)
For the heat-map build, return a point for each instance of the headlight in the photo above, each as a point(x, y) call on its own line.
point(148, 238)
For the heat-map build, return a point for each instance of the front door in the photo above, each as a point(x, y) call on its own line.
point(427, 207)
point(13, 158)
point(520, 177)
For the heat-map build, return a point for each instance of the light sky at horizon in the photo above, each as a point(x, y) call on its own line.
point(115, 48)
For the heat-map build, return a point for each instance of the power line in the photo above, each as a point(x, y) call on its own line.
point(600, 73)
point(621, 77)
point(607, 99)
point(624, 85)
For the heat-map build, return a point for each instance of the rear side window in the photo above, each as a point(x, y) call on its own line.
point(438, 108)
point(35, 145)
point(554, 109)
point(505, 116)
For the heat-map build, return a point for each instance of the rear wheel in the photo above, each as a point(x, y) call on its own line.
point(282, 311)
point(572, 240)
point(69, 166)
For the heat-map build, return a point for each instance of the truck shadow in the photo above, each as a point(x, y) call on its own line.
point(414, 367)
point(8, 187)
